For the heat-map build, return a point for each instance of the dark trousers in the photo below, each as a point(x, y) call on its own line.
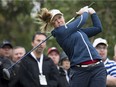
point(94, 76)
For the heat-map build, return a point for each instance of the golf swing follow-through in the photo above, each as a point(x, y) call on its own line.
point(87, 69)
point(6, 71)
point(86, 65)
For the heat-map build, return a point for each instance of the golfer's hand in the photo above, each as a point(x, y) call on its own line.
point(91, 10)
point(82, 10)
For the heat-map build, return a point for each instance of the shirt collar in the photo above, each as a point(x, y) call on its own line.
point(33, 55)
point(106, 61)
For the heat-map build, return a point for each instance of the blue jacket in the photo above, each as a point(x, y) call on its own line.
point(75, 41)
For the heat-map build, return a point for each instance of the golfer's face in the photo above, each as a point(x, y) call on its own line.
point(58, 20)
point(38, 39)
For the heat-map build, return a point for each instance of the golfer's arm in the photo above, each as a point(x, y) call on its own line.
point(96, 28)
point(78, 22)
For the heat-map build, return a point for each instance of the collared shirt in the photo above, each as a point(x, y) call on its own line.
point(40, 62)
point(110, 67)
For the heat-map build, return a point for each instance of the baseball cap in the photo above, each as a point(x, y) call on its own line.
point(55, 12)
point(98, 41)
point(6, 42)
point(52, 49)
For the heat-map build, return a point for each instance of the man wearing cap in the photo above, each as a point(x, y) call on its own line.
point(7, 49)
point(101, 46)
point(5, 55)
point(54, 54)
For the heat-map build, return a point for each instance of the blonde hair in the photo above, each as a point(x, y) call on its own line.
point(44, 20)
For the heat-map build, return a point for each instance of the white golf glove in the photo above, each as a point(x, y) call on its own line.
point(82, 10)
point(91, 10)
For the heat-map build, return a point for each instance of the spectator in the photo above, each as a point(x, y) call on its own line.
point(18, 52)
point(6, 53)
point(36, 69)
point(4, 63)
point(7, 49)
point(65, 64)
point(54, 54)
point(101, 46)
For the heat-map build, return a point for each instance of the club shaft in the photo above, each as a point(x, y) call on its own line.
point(91, 4)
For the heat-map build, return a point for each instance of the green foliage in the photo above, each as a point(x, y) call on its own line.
point(17, 25)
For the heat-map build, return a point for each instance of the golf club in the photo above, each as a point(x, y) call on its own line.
point(6, 72)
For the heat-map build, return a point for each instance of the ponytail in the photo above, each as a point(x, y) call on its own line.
point(44, 20)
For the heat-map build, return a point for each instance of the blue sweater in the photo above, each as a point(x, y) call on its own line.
point(75, 41)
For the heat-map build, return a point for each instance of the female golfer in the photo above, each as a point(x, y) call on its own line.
point(88, 69)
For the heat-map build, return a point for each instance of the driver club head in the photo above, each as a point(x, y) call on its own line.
point(6, 74)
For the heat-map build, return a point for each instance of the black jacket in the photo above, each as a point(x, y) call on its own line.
point(62, 82)
point(28, 74)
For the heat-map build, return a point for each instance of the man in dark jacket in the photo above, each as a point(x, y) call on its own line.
point(36, 69)
point(4, 63)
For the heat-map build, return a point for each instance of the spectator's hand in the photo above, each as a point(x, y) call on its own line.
point(91, 10)
point(82, 10)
